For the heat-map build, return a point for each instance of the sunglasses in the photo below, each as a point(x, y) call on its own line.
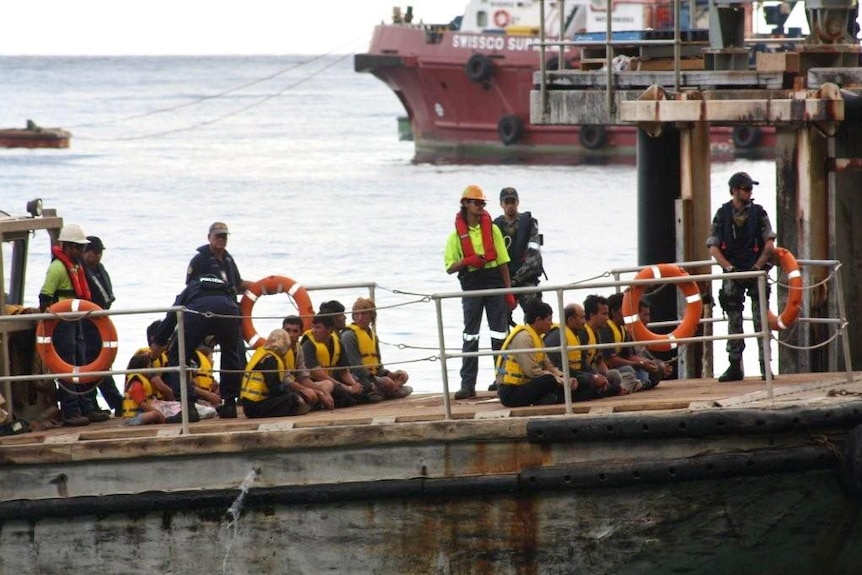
point(479, 203)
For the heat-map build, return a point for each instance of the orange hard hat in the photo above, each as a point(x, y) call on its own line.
point(473, 192)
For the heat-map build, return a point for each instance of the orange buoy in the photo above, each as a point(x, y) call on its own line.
point(268, 286)
point(55, 363)
point(693, 308)
point(790, 267)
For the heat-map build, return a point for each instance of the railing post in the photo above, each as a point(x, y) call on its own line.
point(184, 392)
point(842, 327)
point(447, 405)
point(765, 334)
point(564, 351)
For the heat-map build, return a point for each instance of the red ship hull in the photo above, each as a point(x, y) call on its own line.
point(461, 112)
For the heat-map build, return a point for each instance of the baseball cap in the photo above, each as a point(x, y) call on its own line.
point(506, 193)
point(94, 244)
point(219, 228)
point(741, 180)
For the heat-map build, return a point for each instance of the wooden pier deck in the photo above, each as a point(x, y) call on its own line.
point(679, 395)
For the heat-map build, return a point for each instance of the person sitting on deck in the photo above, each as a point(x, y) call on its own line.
point(267, 389)
point(295, 359)
point(162, 389)
point(326, 362)
point(623, 355)
point(591, 384)
point(138, 408)
point(206, 385)
point(530, 378)
point(621, 379)
point(664, 370)
point(335, 309)
point(362, 349)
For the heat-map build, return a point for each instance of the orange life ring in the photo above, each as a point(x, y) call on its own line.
point(693, 308)
point(55, 363)
point(267, 286)
point(501, 18)
point(790, 267)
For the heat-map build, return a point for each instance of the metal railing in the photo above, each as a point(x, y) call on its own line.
point(560, 290)
point(183, 368)
point(618, 284)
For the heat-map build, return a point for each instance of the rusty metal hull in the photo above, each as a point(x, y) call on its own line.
point(782, 524)
point(754, 490)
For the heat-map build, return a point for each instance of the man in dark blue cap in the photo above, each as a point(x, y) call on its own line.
point(213, 259)
point(741, 239)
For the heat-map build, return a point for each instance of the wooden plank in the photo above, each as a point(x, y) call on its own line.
point(697, 405)
point(384, 420)
point(777, 62)
point(496, 414)
point(61, 439)
point(730, 111)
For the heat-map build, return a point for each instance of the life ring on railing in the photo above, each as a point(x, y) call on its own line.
point(510, 128)
point(790, 267)
point(593, 136)
point(501, 18)
point(55, 363)
point(693, 308)
point(745, 137)
point(268, 286)
point(479, 68)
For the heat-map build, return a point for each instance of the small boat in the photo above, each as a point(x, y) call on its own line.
point(465, 85)
point(34, 136)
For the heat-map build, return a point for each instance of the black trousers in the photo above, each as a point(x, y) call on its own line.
point(223, 325)
point(543, 390)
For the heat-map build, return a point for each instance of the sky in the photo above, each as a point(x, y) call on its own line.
point(192, 27)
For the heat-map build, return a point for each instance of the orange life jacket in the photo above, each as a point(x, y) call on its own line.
point(463, 230)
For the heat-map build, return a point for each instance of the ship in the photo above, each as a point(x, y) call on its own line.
point(465, 85)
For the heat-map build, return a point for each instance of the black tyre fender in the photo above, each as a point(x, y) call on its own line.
point(479, 68)
point(593, 136)
point(746, 137)
point(510, 129)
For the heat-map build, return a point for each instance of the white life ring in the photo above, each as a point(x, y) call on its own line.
point(501, 18)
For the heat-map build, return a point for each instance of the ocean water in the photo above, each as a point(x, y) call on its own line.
point(300, 156)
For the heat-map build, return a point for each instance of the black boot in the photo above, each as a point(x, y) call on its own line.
point(733, 373)
point(227, 410)
point(194, 417)
point(465, 393)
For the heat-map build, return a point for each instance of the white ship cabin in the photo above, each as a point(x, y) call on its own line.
point(522, 16)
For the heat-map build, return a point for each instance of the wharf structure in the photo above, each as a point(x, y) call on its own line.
point(749, 477)
point(810, 93)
